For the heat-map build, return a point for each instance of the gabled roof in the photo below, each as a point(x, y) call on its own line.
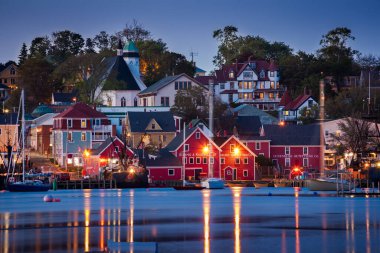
point(4, 87)
point(248, 125)
point(64, 97)
point(296, 103)
point(163, 159)
point(139, 121)
point(80, 110)
point(238, 141)
point(199, 70)
point(250, 110)
point(109, 141)
point(285, 99)
point(293, 134)
point(118, 76)
point(46, 119)
point(154, 88)
point(8, 119)
point(205, 79)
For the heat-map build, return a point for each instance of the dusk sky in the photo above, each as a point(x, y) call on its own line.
point(188, 25)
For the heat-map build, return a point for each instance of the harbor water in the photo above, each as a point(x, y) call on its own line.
point(228, 220)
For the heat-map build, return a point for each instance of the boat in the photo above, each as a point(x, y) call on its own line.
point(188, 186)
point(328, 184)
point(281, 183)
point(260, 184)
point(25, 185)
point(212, 183)
point(237, 184)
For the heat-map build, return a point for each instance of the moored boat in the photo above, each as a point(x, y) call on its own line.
point(213, 183)
point(28, 186)
point(260, 184)
point(281, 183)
point(328, 184)
point(237, 184)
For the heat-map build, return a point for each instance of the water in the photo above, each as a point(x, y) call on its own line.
point(229, 220)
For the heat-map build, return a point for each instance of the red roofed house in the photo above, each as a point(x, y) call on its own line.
point(290, 111)
point(76, 129)
point(253, 82)
point(106, 155)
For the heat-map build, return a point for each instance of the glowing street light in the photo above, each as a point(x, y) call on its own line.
point(86, 153)
point(205, 149)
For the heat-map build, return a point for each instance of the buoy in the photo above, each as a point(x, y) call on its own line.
point(56, 200)
point(48, 198)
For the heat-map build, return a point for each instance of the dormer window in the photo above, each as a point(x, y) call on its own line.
point(262, 74)
point(153, 126)
point(231, 74)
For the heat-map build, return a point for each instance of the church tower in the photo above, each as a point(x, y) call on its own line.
point(131, 57)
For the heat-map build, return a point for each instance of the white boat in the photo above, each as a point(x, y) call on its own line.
point(212, 183)
point(329, 184)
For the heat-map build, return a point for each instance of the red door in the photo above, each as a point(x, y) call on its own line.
point(228, 173)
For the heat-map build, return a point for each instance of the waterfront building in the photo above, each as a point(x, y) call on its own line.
point(78, 128)
point(290, 112)
point(41, 134)
point(10, 76)
point(163, 92)
point(150, 128)
point(255, 82)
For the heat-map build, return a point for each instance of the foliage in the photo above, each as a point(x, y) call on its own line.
point(23, 54)
point(309, 115)
point(263, 161)
point(135, 31)
point(66, 44)
point(39, 47)
point(89, 46)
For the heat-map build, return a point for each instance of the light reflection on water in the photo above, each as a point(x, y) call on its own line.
point(230, 220)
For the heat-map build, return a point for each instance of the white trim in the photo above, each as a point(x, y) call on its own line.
point(247, 173)
point(209, 140)
point(238, 141)
point(171, 174)
point(164, 167)
point(112, 142)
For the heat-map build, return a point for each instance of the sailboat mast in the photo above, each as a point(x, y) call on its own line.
point(211, 124)
point(183, 155)
point(23, 133)
point(321, 120)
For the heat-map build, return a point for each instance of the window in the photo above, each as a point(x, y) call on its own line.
point(286, 113)
point(153, 126)
point(83, 123)
point(326, 132)
point(305, 162)
point(262, 74)
point(187, 147)
point(231, 74)
point(191, 160)
point(69, 123)
point(13, 81)
point(287, 150)
point(274, 161)
point(198, 160)
point(109, 100)
point(164, 101)
point(237, 160)
point(170, 172)
point(272, 85)
point(232, 148)
point(83, 136)
point(180, 85)
point(135, 102)
point(245, 161)
point(70, 136)
point(222, 160)
point(258, 145)
point(245, 173)
point(188, 85)
point(12, 71)
point(117, 149)
point(176, 85)
point(232, 85)
point(261, 95)
point(271, 74)
point(222, 86)
point(211, 160)
point(287, 162)
point(305, 150)
point(310, 103)
point(185, 160)
point(123, 102)
point(5, 80)
point(197, 135)
point(204, 160)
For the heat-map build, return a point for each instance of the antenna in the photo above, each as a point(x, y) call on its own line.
point(192, 54)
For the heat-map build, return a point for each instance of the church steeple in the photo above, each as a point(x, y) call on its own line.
point(119, 48)
point(132, 58)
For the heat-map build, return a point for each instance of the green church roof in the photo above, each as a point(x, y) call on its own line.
point(130, 47)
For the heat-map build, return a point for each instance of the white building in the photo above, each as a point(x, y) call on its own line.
point(291, 111)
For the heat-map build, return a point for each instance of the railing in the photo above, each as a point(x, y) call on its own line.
point(102, 128)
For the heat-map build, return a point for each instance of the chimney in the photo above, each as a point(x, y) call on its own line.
point(304, 91)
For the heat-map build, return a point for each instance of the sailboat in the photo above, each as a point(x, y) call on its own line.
point(186, 185)
point(25, 185)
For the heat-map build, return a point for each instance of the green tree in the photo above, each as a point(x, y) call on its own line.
point(227, 38)
point(309, 115)
point(23, 54)
point(102, 41)
point(39, 47)
point(89, 47)
point(134, 31)
point(336, 54)
point(66, 44)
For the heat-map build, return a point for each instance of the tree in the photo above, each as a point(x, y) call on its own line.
point(66, 44)
point(102, 41)
point(227, 38)
point(39, 47)
point(309, 115)
point(134, 31)
point(23, 54)
point(336, 54)
point(89, 47)
point(174, 64)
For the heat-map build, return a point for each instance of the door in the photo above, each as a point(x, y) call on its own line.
point(228, 173)
point(197, 173)
point(235, 174)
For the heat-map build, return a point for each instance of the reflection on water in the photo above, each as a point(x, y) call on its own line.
point(230, 220)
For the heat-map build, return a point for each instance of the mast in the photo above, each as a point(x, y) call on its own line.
point(321, 120)
point(23, 133)
point(211, 124)
point(183, 155)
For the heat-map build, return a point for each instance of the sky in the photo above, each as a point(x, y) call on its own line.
point(187, 26)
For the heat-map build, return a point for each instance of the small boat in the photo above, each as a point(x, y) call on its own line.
point(237, 184)
point(188, 186)
point(213, 183)
point(281, 183)
point(260, 184)
point(28, 186)
point(328, 184)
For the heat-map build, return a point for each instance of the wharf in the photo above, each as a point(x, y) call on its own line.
point(87, 184)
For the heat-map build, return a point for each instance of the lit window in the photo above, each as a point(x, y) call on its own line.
point(231, 74)
point(83, 123)
point(245, 161)
point(286, 113)
point(83, 136)
point(70, 136)
point(245, 173)
point(232, 148)
point(222, 160)
point(171, 172)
